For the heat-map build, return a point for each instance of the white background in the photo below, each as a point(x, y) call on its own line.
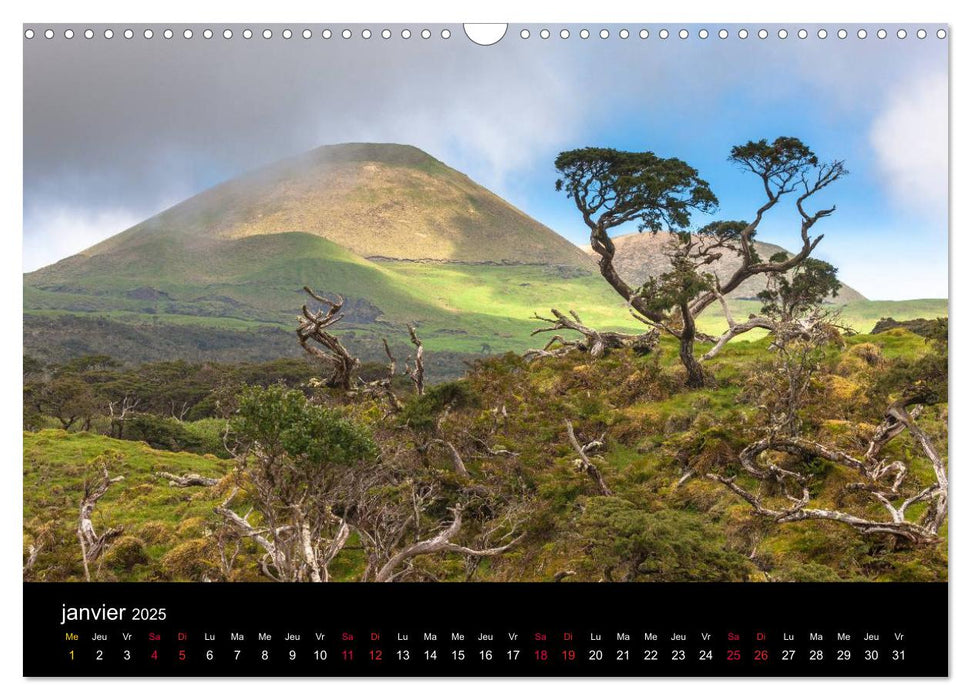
point(176, 11)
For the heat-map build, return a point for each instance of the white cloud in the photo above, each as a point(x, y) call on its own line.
point(910, 139)
point(58, 232)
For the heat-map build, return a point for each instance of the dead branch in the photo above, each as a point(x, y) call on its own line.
point(455, 455)
point(179, 412)
point(312, 332)
point(93, 544)
point(297, 551)
point(584, 463)
point(595, 343)
point(229, 544)
point(383, 387)
point(187, 479)
point(490, 451)
point(33, 551)
point(735, 329)
point(273, 555)
point(881, 481)
point(121, 411)
point(442, 542)
point(333, 548)
point(416, 371)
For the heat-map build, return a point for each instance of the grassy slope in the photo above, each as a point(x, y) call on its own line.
point(256, 281)
point(860, 315)
point(650, 434)
point(374, 199)
point(56, 465)
point(650, 428)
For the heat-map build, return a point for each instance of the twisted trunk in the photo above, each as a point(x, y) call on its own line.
point(686, 350)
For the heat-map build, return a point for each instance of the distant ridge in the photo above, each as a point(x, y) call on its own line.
point(641, 255)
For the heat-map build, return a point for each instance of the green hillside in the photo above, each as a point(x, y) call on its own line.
point(256, 283)
point(56, 466)
point(401, 236)
point(377, 200)
point(237, 299)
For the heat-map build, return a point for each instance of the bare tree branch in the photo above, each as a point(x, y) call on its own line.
point(735, 329)
point(383, 387)
point(584, 463)
point(93, 544)
point(442, 542)
point(312, 332)
point(455, 455)
point(595, 343)
point(187, 479)
point(119, 412)
point(417, 370)
point(881, 481)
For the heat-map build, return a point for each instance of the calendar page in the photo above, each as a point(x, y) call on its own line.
point(485, 350)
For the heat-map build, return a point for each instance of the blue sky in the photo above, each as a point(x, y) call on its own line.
point(116, 131)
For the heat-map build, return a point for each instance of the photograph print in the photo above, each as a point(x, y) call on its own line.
point(622, 307)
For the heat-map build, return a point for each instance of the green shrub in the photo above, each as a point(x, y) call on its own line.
point(155, 532)
point(868, 352)
point(189, 561)
point(161, 433)
point(421, 413)
point(192, 527)
point(125, 553)
point(208, 433)
point(630, 544)
point(283, 421)
point(810, 572)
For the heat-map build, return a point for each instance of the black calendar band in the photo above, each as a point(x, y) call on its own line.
point(485, 629)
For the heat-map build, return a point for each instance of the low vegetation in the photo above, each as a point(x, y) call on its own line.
point(506, 420)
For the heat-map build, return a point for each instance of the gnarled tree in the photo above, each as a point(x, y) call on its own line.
point(775, 478)
point(310, 477)
point(293, 461)
point(318, 342)
point(613, 188)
